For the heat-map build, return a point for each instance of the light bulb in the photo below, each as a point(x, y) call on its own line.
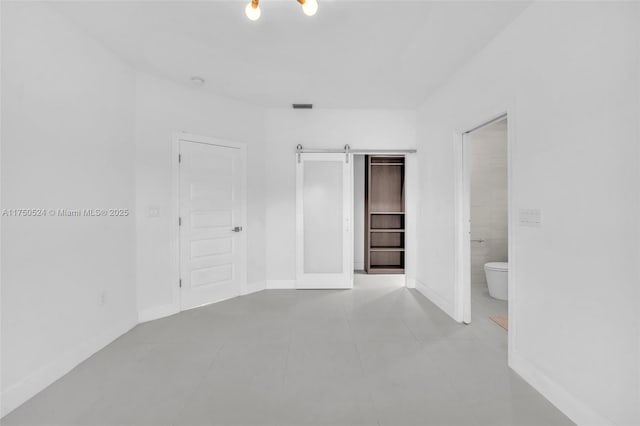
point(310, 7)
point(253, 13)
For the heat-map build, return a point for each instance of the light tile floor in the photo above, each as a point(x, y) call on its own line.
point(375, 355)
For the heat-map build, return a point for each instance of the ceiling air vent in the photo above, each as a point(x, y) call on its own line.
point(302, 106)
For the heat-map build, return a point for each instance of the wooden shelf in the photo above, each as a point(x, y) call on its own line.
point(385, 270)
point(386, 230)
point(386, 213)
point(386, 159)
point(386, 249)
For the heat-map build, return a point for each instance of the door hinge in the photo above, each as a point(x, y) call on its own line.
point(180, 282)
point(179, 158)
point(179, 221)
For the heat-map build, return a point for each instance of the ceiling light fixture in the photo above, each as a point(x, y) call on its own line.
point(253, 10)
point(309, 7)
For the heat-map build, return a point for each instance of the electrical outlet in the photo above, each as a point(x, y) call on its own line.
point(103, 298)
point(154, 211)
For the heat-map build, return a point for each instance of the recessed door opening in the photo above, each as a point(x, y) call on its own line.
point(486, 152)
point(379, 218)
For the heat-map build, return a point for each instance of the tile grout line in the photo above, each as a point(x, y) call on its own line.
point(289, 341)
point(199, 384)
point(360, 364)
point(410, 331)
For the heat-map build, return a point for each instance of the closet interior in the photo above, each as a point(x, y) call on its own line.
point(384, 238)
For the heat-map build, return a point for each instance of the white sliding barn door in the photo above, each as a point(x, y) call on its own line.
point(324, 250)
point(212, 242)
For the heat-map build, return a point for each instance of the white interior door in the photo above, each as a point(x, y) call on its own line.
point(212, 242)
point(324, 252)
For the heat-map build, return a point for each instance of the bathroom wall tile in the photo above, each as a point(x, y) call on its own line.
point(488, 199)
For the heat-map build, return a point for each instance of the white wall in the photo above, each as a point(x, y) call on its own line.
point(317, 128)
point(358, 212)
point(68, 283)
point(83, 130)
point(569, 74)
point(162, 109)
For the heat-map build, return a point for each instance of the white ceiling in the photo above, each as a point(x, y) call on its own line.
point(352, 54)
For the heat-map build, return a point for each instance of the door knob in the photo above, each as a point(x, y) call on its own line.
point(237, 229)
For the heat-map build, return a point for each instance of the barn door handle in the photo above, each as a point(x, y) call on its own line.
point(237, 229)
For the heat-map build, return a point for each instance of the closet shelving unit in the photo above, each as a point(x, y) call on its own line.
point(385, 214)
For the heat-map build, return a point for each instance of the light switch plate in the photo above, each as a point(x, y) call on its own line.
point(530, 217)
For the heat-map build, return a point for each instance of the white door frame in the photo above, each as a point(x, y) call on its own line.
point(175, 195)
point(462, 255)
point(347, 206)
point(411, 203)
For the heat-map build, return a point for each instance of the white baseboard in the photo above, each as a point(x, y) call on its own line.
point(576, 410)
point(158, 312)
point(436, 299)
point(256, 286)
point(410, 282)
point(281, 284)
point(38, 380)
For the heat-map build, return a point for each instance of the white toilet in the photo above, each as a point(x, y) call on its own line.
point(497, 282)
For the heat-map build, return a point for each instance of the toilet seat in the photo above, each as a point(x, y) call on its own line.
point(497, 266)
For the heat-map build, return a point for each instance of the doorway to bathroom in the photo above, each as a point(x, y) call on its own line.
point(484, 216)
